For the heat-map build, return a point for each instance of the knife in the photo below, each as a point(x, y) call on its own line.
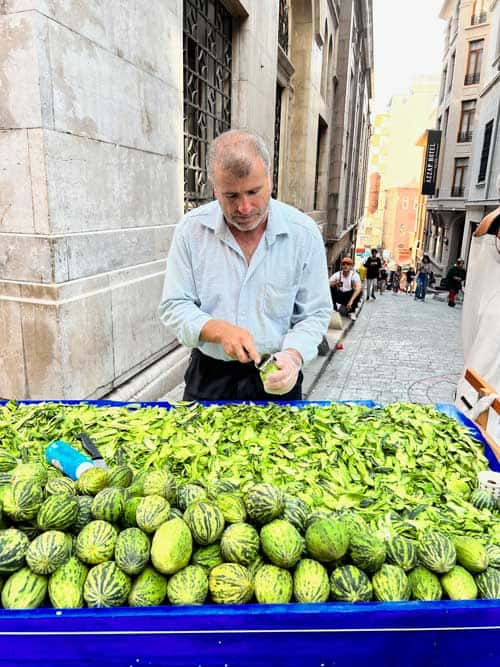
point(90, 447)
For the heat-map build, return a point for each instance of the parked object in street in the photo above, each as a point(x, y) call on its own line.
point(345, 286)
point(454, 280)
point(246, 275)
point(373, 265)
point(481, 308)
point(424, 270)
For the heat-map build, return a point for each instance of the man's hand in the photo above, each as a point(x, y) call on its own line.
point(284, 380)
point(236, 341)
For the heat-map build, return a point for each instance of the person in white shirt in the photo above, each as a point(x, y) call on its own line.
point(345, 286)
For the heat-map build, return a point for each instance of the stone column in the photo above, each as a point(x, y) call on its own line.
point(90, 190)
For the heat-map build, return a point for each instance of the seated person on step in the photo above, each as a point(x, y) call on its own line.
point(345, 286)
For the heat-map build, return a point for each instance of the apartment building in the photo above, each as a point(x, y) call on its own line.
point(106, 113)
point(464, 78)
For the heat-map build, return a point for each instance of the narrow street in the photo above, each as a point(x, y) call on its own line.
point(398, 349)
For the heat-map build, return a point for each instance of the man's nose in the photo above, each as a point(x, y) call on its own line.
point(244, 205)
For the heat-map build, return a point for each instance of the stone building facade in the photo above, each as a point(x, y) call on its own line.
point(107, 108)
point(469, 91)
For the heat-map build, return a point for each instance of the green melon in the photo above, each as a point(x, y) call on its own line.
point(172, 546)
point(84, 515)
point(129, 517)
point(273, 585)
point(188, 586)
point(208, 557)
point(218, 486)
point(137, 486)
point(95, 543)
point(108, 504)
point(151, 513)
point(13, 547)
point(327, 540)
point(436, 551)
point(205, 521)
point(7, 461)
point(106, 586)
point(132, 550)
point(424, 584)
point(32, 472)
point(189, 493)
point(148, 589)
point(160, 483)
point(483, 500)
point(458, 584)
point(296, 512)
point(350, 584)
point(66, 585)
point(240, 543)
point(367, 551)
point(47, 552)
point(230, 583)
point(488, 584)
point(316, 515)
point(390, 583)
point(282, 543)
point(60, 486)
point(92, 481)
point(264, 502)
point(24, 590)
point(471, 553)
point(58, 512)
point(232, 507)
point(120, 476)
point(310, 581)
point(402, 551)
point(22, 500)
point(493, 552)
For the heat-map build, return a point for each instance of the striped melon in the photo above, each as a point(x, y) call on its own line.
point(264, 502)
point(47, 552)
point(60, 486)
point(108, 504)
point(493, 552)
point(13, 547)
point(148, 589)
point(310, 581)
point(296, 512)
point(424, 584)
point(95, 543)
point(189, 493)
point(7, 461)
point(239, 543)
point(367, 551)
point(436, 551)
point(106, 586)
point(172, 546)
point(471, 553)
point(120, 476)
point(58, 512)
point(350, 584)
point(66, 584)
point(390, 583)
point(327, 540)
point(129, 519)
point(160, 483)
point(232, 507)
point(132, 550)
point(151, 513)
point(32, 472)
point(22, 500)
point(230, 583)
point(24, 590)
point(218, 486)
point(273, 585)
point(84, 515)
point(281, 543)
point(208, 557)
point(92, 481)
point(458, 584)
point(488, 584)
point(188, 586)
point(402, 551)
point(316, 515)
point(205, 521)
point(483, 499)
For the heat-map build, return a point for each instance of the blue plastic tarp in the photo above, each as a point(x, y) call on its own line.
point(405, 634)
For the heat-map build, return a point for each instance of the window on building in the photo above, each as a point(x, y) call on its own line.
point(445, 121)
point(283, 28)
point(319, 180)
point(324, 64)
point(443, 84)
point(277, 140)
point(207, 54)
point(478, 13)
point(474, 61)
point(405, 203)
point(485, 151)
point(452, 71)
point(466, 121)
point(459, 176)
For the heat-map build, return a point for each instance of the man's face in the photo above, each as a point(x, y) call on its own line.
point(346, 267)
point(244, 201)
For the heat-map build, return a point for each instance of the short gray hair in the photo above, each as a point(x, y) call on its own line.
point(235, 151)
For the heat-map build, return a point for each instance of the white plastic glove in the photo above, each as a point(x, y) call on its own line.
point(283, 380)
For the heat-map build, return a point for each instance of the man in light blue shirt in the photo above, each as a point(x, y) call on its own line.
point(246, 275)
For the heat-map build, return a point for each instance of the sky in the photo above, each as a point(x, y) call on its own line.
point(408, 40)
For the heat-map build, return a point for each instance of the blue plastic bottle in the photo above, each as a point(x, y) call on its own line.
point(70, 461)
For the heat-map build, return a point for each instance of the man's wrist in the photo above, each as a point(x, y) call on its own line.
point(295, 355)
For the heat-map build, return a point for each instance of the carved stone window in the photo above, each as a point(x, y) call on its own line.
point(207, 55)
point(283, 26)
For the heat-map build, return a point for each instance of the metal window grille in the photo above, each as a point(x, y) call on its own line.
point(207, 53)
point(277, 134)
point(485, 151)
point(464, 137)
point(471, 79)
point(283, 26)
point(477, 19)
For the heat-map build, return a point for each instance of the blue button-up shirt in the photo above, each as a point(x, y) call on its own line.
point(282, 297)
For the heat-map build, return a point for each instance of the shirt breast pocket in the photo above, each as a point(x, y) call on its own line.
point(279, 301)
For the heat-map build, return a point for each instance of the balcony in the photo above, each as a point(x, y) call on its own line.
point(477, 19)
point(471, 79)
point(457, 191)
point(464, 137)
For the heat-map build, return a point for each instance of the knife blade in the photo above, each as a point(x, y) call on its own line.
point(90, 447)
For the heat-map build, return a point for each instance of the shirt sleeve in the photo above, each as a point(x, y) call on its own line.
point(355, 278)
point(313, 305)
point(179, 308)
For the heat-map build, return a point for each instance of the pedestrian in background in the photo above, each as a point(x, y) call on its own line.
point(246, 275)
point(410, 277)
point(481, 308)
point(346, 288)
point(454, 280)
point(373, 265)
point(382, 280)
point(396, 279)
point(423, 273)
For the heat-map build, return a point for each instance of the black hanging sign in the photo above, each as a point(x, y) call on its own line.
point(431, 162)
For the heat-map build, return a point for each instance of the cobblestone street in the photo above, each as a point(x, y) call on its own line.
point(399, 349)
